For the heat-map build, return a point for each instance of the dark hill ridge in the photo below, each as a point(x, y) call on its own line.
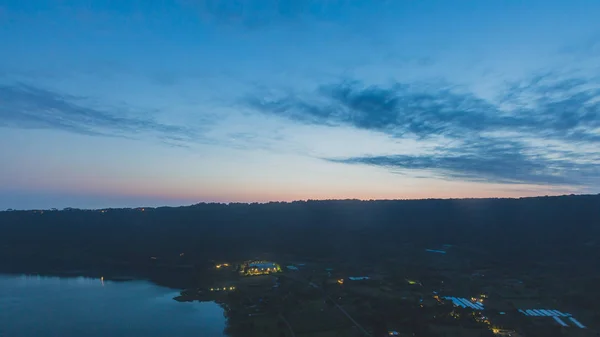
point(564, 228)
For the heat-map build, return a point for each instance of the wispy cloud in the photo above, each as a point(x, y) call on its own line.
point(492, 140)
point(558, 108)
point(542, 105)
point(25, 106)
point(489, 160)
point(396, 110)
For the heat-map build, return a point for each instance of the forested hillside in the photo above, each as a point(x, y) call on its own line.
point(521, 229)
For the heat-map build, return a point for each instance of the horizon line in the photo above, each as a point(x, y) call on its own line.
point(289, 202)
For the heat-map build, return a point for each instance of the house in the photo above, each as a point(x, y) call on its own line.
point(260, 268)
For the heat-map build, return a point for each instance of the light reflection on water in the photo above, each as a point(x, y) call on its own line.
point(90, 307)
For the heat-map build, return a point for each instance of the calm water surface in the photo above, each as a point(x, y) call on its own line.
point(74, 307)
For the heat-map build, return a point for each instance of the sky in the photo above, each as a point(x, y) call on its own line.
point(146, 103)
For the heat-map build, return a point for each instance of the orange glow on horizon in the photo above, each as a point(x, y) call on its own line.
point(192, 193)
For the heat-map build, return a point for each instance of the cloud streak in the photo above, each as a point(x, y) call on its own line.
point(500, 140)
point(488, 161)
point(557, 108)
point(28, 107)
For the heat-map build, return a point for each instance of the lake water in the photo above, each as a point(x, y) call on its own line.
point(85, 307)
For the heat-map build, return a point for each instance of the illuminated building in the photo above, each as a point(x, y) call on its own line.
point(260, 268)
point(465, 303)
point(555, 314)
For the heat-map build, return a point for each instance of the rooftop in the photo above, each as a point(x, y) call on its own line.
point(262, 265)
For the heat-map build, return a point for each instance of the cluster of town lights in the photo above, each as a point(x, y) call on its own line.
point(257, 271)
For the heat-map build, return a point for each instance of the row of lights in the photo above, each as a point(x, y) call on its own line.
point(256, 271)
point(223, 289)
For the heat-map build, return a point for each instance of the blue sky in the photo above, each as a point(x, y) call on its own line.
point(130, 103)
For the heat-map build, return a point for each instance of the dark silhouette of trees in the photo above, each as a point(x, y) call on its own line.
point(501, 230)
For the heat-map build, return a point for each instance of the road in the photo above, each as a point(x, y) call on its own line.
point(363, 330)
point(288, 325)
point(312, 284)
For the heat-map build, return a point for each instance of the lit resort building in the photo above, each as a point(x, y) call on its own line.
point(259, 268)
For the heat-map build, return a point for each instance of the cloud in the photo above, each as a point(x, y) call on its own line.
point(396, 110)
point(558, 108)
point(24, 106)
point(565, 108)
point(489, 160)
point(500, 140)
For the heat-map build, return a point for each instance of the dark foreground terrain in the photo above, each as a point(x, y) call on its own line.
point(514, 254)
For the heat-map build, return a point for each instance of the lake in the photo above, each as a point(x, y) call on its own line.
point(87, 307)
